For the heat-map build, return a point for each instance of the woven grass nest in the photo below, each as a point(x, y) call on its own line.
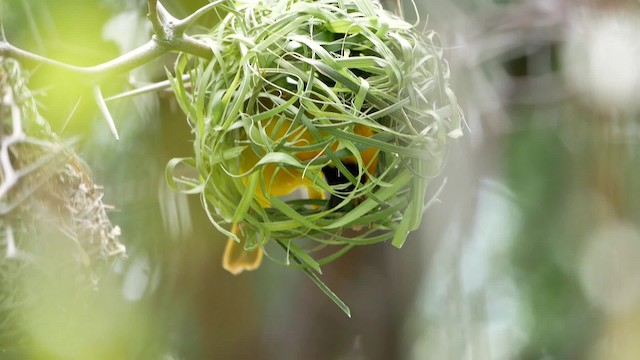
point(317, 125)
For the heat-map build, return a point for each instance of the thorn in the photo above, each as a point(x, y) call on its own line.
point(97, 94)
point(3, 37)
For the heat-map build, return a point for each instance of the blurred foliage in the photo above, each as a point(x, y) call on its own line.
point(540, 180)
point(566, 151)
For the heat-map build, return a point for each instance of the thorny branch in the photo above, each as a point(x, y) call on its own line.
point(96, 73)
point(169, 36)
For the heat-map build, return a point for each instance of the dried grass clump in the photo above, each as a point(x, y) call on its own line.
point(52, 217)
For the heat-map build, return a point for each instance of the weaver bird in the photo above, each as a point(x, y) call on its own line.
point(236, 259)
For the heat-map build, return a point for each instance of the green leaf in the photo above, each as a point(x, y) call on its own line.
point(400, 235)
point(247, 197)
point(171, 181)
point(330, 294)
point(290, 213)
point(369, 204)
point(316, 280)
point(279, 158)
point(305, 258)
point(226, 154)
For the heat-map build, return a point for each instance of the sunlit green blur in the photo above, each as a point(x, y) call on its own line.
point(529, 252)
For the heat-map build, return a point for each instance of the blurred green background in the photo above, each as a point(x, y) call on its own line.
point(529, 253)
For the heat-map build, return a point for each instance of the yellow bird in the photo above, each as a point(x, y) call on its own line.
point(236, 259)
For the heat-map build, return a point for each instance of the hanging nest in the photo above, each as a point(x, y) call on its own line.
point(317, 124)
point(52, 218)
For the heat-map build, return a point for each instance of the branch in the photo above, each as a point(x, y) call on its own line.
point(166, 39)
point(153, 17)
point(169, 36)
point(166, 19)
point(189, 45)
point(123, 63)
